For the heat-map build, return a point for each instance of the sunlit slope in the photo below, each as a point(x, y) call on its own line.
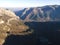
point(10, 24)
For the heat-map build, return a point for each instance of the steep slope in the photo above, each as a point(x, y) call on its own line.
point(11, 24)
point(40, 14)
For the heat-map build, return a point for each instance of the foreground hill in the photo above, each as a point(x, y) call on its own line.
point(10, 24)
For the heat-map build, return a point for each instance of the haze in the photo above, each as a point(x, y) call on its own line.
point(28, 3)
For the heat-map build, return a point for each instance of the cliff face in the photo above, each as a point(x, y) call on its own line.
point(10, 24)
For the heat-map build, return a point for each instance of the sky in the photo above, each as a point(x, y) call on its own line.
point(28, 3)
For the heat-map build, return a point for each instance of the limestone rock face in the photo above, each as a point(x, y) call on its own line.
point(10, 24)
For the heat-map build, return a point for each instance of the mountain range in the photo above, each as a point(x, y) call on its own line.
point(40, 14)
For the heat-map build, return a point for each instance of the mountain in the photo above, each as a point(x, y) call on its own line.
point(40, 14)
point(10, 24)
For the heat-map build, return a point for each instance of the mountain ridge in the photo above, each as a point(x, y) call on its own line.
point(40, 14)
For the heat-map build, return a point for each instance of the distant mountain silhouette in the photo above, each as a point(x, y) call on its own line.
point(40, 14)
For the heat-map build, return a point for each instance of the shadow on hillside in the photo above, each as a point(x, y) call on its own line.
point(47, 33)
point(21, 40)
